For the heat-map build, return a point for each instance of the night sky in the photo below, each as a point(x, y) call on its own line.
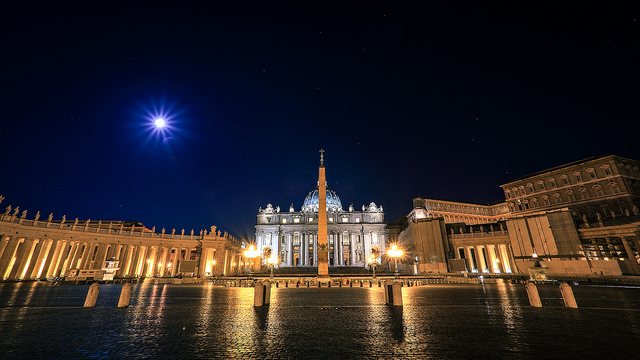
point(444, 100)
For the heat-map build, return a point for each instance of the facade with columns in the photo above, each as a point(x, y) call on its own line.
point(353, 235)
point(581, 218)
point(34, 249)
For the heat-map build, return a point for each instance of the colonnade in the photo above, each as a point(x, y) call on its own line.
point(486, 258)
point(33, 250)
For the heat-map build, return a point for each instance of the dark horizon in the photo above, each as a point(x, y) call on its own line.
point(446, 101)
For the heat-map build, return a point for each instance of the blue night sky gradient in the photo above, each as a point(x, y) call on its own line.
point(443, 100)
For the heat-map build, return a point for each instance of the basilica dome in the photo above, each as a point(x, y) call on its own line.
point(311, 201)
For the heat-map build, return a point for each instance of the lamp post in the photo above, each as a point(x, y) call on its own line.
point(395, 253)
point(250, 254)
point(273, 260)
point(372, 262)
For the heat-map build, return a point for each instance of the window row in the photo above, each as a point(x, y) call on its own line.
point(561, 181)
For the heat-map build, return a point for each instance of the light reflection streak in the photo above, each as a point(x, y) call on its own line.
point(12, 300)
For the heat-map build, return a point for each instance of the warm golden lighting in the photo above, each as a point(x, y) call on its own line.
point(395, 253)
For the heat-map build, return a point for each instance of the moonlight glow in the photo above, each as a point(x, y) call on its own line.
point(160, 123)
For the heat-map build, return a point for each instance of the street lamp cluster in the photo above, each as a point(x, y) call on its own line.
point(395, 253)
point(373, 260)
point(250, 254)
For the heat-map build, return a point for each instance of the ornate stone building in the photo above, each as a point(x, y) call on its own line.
point(41, 249)
point(580, 218)
point(353, 235)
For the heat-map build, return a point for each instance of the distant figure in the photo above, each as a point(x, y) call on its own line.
point(15, 212)
point(24, 214)
point(64, 218)
point(50, 217)
point(8, 210)
point(37, 216)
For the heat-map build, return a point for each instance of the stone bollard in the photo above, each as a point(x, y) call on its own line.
point(125, 296)
point(277, 284)
point(534, 297)
point(567, 296)
point(370, 283)
point(393, 292)
point(262, 293)
point(286, 284)
point(267, 292)
point(92, 295)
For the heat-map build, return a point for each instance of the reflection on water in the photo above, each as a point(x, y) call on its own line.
point(205, 321)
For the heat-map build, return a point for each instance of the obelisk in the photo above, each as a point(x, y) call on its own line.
point(323, 244)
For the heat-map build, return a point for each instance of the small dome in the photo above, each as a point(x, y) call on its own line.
point(311, 201)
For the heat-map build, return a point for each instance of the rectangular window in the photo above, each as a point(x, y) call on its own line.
point(607, 171)
point(541, 185)
point(546, 202)
point(565, 180)
point(592, 174)
point(553, 182)
point(578, 177)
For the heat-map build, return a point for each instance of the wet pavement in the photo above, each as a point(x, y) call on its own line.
point(41, 321)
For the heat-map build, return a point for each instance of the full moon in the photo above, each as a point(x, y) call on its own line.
point(160, 123)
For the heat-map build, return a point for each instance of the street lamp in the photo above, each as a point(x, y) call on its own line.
point(372, 262)
point(395, 253)
point(273, 260)
point(250, 254)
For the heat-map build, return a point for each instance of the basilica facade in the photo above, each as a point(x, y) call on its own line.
point(353, 235)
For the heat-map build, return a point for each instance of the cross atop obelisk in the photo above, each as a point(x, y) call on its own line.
point(323, 245)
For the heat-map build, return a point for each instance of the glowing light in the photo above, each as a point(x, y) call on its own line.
point(160, 123)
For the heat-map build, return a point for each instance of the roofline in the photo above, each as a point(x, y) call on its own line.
point(463, 202)
point(589, 159)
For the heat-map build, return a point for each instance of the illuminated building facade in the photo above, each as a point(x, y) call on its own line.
point(35, 249)
point(353, 235)
point(577, 219)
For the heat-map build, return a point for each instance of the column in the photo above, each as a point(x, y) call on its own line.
point(100, 256)
point(289, 250)
point(38, 258)
point(135, 257)
point(480, 259)
point(8, 254)
point(339, 243)
point(306, 248)
point(352, 242)
point(315, 250)
point(68, 257)
point(22, 259)
point(336, 249)
point(57, 261)
point(124, 254)
point(87, 256)
point(52, 259)
point(501, 264)
point(471, 259)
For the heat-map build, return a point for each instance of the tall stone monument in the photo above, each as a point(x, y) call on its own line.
point(323, 244)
